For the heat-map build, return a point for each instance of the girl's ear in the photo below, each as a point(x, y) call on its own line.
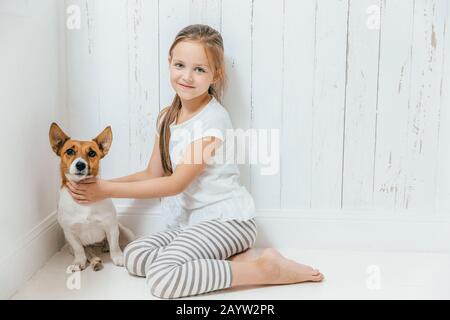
point(218, 75)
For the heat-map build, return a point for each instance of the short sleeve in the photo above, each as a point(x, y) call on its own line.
point(216, 125)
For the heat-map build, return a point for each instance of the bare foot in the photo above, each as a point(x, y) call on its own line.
point(281, 270)
point(248, 255)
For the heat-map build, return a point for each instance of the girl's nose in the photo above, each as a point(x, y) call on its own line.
point(187, 76)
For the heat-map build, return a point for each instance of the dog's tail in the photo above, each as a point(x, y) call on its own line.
point(126, 236)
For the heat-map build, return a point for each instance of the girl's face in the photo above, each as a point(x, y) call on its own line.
point(190, 71)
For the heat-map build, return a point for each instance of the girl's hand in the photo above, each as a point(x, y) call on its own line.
point(88, 191)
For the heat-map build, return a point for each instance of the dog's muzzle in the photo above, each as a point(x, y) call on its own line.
point(79, 168)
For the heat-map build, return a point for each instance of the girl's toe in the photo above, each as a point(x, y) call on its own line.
point(316, 272)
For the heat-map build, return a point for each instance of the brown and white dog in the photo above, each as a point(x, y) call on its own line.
point(86, 226)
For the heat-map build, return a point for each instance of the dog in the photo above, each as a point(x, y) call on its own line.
point(87, 226)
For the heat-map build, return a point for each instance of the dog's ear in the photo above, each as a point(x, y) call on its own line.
point(57, 138)
point(104, 140)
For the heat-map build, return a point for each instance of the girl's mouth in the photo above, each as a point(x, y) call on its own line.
point(187, 87)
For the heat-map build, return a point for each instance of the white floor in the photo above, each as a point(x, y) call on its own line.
point(349, 275)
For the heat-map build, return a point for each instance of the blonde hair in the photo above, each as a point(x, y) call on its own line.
point(213, 43)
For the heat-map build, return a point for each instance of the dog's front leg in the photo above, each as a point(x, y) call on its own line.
point(79, 263)
point(112, 233)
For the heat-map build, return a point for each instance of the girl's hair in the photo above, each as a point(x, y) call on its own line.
point(213, 43)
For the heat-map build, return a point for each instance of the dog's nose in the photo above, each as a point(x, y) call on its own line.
point(80, 166)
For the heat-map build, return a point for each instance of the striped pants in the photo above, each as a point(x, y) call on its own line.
point(185, 262)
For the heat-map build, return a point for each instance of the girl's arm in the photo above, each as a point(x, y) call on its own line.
point(138, 176)
point(154, 167)
point(194, 161)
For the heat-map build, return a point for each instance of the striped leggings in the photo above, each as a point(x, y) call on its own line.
point(185, 262)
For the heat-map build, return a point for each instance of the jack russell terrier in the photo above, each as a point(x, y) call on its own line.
point(87, 226)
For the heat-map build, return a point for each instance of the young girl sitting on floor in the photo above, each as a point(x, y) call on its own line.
point(211, 217)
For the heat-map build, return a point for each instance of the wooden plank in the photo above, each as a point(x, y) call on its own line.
point(298, 89)
point(143, 78)
point(328, 104)
point(443, 166)
point(173, 17)
point(236, 34)
point(267, 79)
point(143, 82)
point(360, 104)
point(424, 102)
point(82, 73)
point(111, 45)
point(392, 107)
point(206, 12)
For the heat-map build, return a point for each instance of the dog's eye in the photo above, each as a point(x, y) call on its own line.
point(92, 153)
point(70, 152)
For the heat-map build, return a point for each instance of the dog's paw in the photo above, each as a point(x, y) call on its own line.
point(118, 259)
point(96, 264)
point(75, 267)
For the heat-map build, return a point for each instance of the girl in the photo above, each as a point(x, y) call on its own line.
point(211, 218)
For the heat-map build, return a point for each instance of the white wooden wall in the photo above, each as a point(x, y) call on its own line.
point(363, 112)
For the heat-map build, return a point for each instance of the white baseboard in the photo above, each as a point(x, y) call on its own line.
point(342, 230)
point(29, 255)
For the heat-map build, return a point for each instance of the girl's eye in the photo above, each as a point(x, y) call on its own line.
point(179, 65)
point(70, 152)
point(92, 154)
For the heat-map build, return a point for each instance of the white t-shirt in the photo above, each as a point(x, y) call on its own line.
point(216, 192)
